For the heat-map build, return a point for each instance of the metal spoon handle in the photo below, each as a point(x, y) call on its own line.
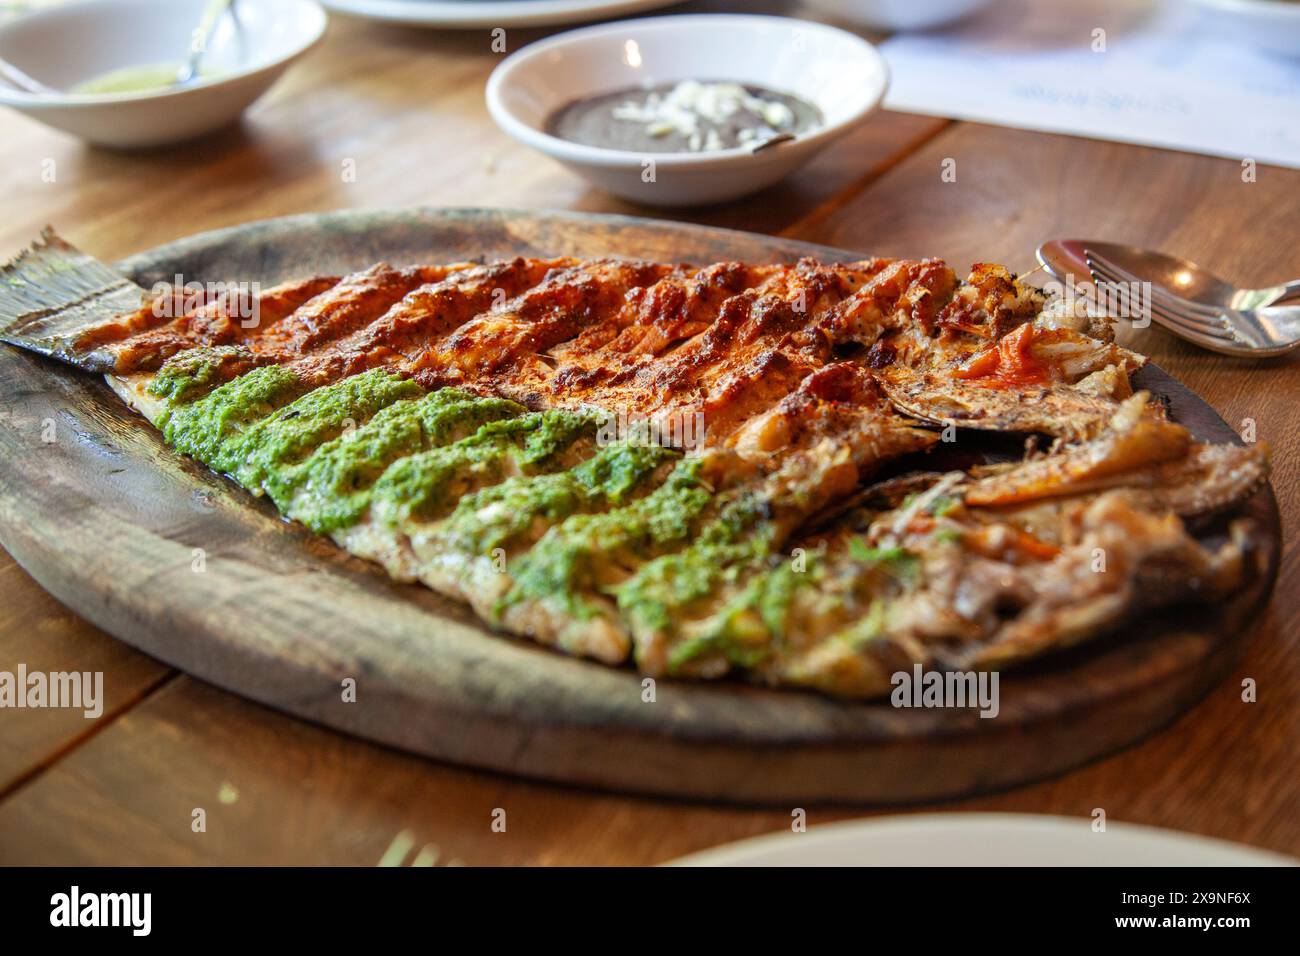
point(17, 78)
point(199, 42)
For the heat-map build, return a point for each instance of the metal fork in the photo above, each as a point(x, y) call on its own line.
point(1258, 333)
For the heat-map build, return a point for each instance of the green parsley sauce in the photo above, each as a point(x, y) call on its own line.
point(662, 587)
point(743, 631)
point(191, 374)
point(378, 443)
point(331, 489)
point(425, 484)
point(258, 456)
point(562, 563)
point(496, 515)
point(146, 78)
point(202, 429)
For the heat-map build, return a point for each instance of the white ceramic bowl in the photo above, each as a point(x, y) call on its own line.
point(899, 14)
point(1266, 24)
point(66, 45)
point(983, 839)
point(841, 74)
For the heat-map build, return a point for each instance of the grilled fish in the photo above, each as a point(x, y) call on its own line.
point(521, 435)
point(960, 571)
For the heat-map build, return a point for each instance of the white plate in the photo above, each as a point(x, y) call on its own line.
point(840, 73)
point(467, 14)
point(983, 839)
point(898, 14)
point(1270, 25)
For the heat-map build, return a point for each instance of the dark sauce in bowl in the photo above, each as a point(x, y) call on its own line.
point(691, 116)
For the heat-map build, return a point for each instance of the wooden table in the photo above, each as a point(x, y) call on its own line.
point(405, 108)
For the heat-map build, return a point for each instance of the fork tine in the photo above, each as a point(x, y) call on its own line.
point(1192, 309)
point(1239, 327)
point(1243, 332)
point(1169, 320)
point(1199, 309)
point(1120, 290)
point(1158, 292)
point(397, 850)
point(1209, 342)
point(1215, 336)
point(1221, 328)
point(1103, 276)
point(1234, 333)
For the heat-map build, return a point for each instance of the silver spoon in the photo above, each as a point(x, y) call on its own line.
point(189, 70)
point(20, 80)
point(1065, 258)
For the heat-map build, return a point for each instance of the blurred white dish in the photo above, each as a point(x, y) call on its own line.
point(63, 46)
point(839, 73)
point(898, 14)
point(983, 839)
point(1271, 25)
point(466, 14)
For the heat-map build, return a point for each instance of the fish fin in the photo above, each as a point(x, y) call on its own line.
point(52, 292)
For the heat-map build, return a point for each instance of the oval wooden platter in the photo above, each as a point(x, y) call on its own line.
point(190, 569)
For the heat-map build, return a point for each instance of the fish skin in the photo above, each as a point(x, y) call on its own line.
point(1055, 381)
point(1060, 411)
point(1130, 441)
point(1155, 460)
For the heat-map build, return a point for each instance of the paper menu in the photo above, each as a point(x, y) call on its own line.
point(1161, 74)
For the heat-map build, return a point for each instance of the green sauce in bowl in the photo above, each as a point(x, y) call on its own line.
point(147, 78)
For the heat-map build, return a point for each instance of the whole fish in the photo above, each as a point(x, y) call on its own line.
point(672, 463)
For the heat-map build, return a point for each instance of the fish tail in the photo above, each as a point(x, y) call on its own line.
point(51, 293)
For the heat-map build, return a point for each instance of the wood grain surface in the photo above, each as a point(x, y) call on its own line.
point(406, 108)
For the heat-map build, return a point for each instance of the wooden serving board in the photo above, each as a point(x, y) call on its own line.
point(111, 521)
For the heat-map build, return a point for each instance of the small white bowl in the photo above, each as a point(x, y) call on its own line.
point(899, 14)
point(841, 74)
point(1265, 24)
point(66, 45)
